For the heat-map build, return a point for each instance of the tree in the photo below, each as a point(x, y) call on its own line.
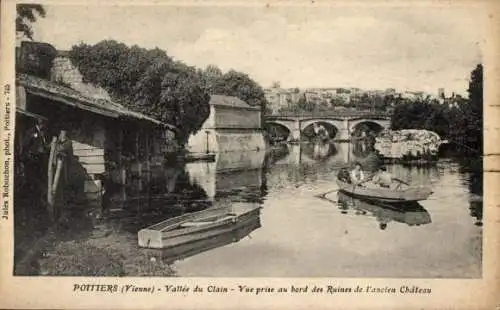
point(422, 114)
point(210, 77)
point(147, 81)
point(304, 105)
point(175, 95)
point(26, 15)
point(114, 66)
point(338, 102)
point(473, 110)
point(238, 84)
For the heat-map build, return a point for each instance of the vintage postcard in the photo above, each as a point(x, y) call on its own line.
point(264, 154)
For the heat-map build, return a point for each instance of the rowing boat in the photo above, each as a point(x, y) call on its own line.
point(411, 193)
point(196, 226)
point(182, 251)
point(411, 213)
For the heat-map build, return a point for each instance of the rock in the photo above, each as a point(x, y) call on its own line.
point(408, 143)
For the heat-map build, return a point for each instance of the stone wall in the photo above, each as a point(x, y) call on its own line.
point(226, 140)
point(230, 141)
point(65, 73)
point(236, 118)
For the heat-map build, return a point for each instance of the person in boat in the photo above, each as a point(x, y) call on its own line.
point(357, 174)
point(344, 175)
point(383, 178)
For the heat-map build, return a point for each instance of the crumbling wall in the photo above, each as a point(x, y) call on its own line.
point(65, 73)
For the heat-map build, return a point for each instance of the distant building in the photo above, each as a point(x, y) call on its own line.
point(412, 95)
point(390, 91)
point(344, 98)
point(313, 96)
point(279, 98)
point(441, 93)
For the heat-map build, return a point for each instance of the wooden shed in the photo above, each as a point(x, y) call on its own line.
point(104, 133)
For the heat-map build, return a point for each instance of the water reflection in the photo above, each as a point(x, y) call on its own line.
point(297, 228)
point(319, 150)
point(275, 154)
point(147, 195)
point(412, 214)
point(293, 234)
point(230, 173)
point(362, 148)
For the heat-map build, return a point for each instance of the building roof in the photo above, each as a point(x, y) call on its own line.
point(230, 101)
point(60, 93)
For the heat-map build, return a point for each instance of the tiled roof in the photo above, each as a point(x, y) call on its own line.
point(69, 96)
point(229, 101)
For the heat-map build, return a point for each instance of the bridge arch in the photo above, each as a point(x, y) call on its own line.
point(278, 130)
point(319, 129)
point(332, 126)
point(364, 127)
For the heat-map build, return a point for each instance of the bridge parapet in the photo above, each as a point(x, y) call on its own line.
point(328, 114)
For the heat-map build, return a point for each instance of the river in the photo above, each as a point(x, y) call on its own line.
point(299, 233)
point(302, 235)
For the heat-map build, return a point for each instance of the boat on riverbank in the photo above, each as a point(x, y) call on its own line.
point(172, 254)
point(196, 226)
point(192, 157)
point(408, 194)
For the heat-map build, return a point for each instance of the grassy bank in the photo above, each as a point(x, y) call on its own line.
point(104, 256)
point(81, 245)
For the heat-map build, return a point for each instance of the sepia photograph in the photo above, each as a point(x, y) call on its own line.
point(248, 141)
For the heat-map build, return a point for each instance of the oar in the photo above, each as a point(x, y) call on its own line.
point(326, 193)
point(368, 178)
point(50, 174)
point(401, 181)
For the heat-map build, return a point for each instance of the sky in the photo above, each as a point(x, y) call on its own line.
point(407, 48)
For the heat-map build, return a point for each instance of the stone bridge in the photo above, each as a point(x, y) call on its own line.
point(341, 126)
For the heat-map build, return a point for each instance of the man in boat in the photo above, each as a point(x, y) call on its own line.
point(344, 175)
point(383, 178)
point(357, 174)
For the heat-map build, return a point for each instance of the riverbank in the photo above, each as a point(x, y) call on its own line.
point(83, 244)
point(101, 257)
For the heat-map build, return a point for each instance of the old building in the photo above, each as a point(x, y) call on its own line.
point(105, 135)
point(233, 125)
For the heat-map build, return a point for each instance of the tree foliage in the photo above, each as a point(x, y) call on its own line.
point(174, 94)
point(460, 120)
point(151, 82)
point(421, 114)
point(473, 111)
point(148, 81)
point(233, 83)
point(239, 84)
point(27, 14)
